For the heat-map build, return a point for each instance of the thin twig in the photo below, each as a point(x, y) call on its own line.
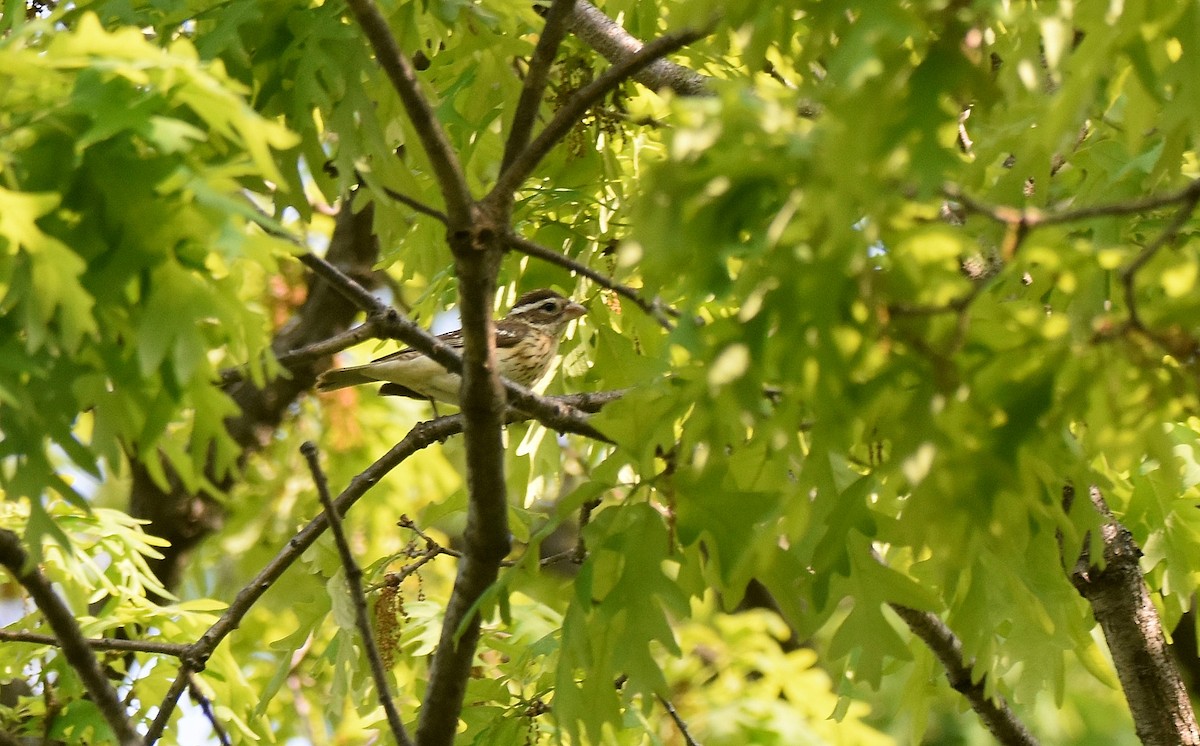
point(207, 708)
point(1035, 218)
point(534, 86)
point(354, 585)
point(1129, 272)
point(565, 118)
point(330, 346)
point(70, 637)
point(424, 558)
point(414, 203)
point(654, 308)
point(576, 554)
point(579, 552)
point(108, 644)
point(411, 525)
point(446, 167)
point(679, 722)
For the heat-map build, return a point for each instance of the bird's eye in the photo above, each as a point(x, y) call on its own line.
point(549, 306)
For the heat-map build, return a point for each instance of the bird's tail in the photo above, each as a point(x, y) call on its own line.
point(340, 378)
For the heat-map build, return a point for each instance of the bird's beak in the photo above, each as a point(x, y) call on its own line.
point(574, 311)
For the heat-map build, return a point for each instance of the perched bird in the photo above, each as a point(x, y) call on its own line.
point(526, 342)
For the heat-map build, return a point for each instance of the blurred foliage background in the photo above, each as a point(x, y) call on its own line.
point(878, 385)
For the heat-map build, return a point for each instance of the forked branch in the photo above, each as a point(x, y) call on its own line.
point(70, 637)
point(446, 166)
point(198, 653)
point(573, 110)
point(357, 596)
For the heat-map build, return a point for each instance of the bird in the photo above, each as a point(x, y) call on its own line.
point(526, 343)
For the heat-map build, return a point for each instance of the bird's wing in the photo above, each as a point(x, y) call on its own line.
point(454, 339)
point(508, 334)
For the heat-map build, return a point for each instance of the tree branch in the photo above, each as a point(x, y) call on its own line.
point(1035, 218)
point(450, 177)
point(616, 44)
point(423, 435)
point(653, 308)
point(1162, 712)
point(358, 597)
point(167, 707)
point(194, 659)
point(416, 205)
point(522, 166)
point(1168, 234)
point(996, 715)
point(330, 346)
point(107, 644)
point(679, 721)
point(184, 518)
point(487, 539)
point(207, 708)
point(535, 79)
point(345, 285)
point(70, 637)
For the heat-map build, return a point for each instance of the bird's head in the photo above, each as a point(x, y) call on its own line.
point(545, 309)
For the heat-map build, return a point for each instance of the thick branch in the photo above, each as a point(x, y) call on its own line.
point(487, 539)
point(358, 597)
point(442, 157)
point(616, 44)
point(573, 110)
point(70, 637)
point(996, 715)
point(1120, 600)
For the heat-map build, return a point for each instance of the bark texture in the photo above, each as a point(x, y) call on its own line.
point(1120, 600)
